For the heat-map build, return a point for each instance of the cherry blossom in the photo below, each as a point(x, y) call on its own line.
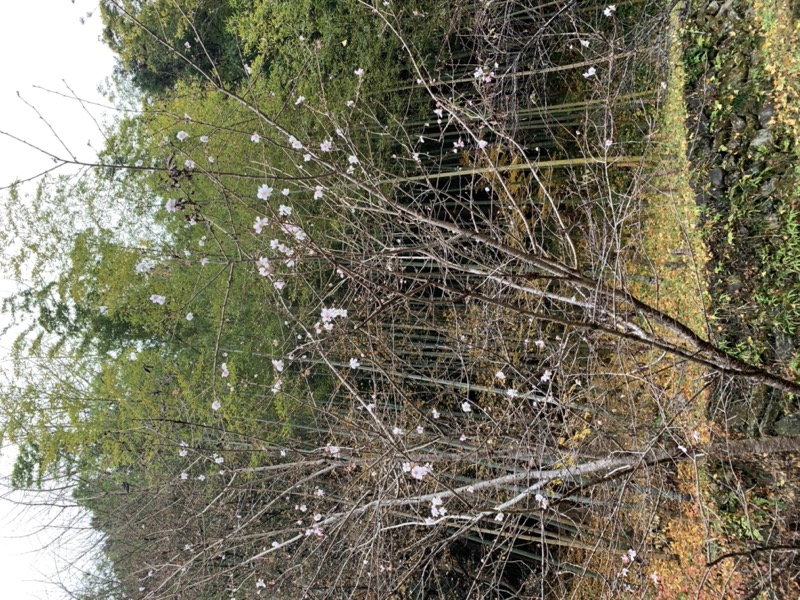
point(181, 135)
point(420, 471)
point(354, 363)
point(224, 370)
point(255, 138)
point(157, 299)
point(260, 223)
point(264, 192)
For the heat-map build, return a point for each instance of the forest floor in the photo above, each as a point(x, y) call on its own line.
point(721, 242)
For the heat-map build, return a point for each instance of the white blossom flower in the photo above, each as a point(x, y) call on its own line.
point(359, 72)
point(465, 406)
point(499, 517)
point(436, 414)
point(145, 265)
point(585, 43)
point(482, 144)
point(204, 139)
point(181, 135)
point(590, 72)
point(216, 405)
point(184, 476)
point(333, 450)
point(224, 370)
point(539, 344)
point(397, 431)
point(211, 159)
point(326, 145)
point(544, 503)
point(609, 10)
point(296, 144)
point(171, 206)
point(102, 309)
point(284, 210)
point(218, 459)
point(500, 375)
point(439, 112)
point(354, 363)
point(319, 493)
point(203, 261)
point(279, 285)
point(189, 164)
point(260, 584)
point(512, 393)
point(157, 299)
point(306, 158)
point(255, 138)
point(546, 376)
point(420, 471)
point(352, 159)
point(264, 268)
point(277, 365)
point(189, 316)
point(318, 192)
point(300, 100)
point(201, 477)
point(437, 510)
point(420, 429)
point(138, 163)
point(260, 223)
point(285, 191)
point(264, 192)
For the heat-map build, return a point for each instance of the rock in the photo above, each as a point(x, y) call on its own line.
point(788, 425)
point(738, 124)
point(768, 188)
point(761, 139)
point(766, 115)
point(712, 8)
point(755, 168)
point(717, 177)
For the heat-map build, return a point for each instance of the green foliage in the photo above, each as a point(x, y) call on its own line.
point(158, 43)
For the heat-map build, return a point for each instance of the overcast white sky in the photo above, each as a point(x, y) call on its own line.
point(42, 43)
